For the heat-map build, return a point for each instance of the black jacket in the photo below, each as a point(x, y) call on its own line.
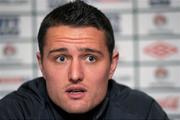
point(31, 102)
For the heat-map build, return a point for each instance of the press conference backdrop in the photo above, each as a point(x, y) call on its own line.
point(147, 34)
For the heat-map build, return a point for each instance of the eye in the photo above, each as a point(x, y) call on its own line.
point(91, 58)
point(61, 59)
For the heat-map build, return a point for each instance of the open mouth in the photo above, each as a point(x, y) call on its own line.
point(76, 92)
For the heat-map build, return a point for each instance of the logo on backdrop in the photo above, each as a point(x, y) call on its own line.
point(162, 25)
point(159, 2)
point(161, 73)
point(13, 1)
point(9, 50)
point(9, 25)
point(170, 103)
point(160, 20)
point(160, 50)
point(11, 80)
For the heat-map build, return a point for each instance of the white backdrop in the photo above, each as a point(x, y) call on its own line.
point(147, 36)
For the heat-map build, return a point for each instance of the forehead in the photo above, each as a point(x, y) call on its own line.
point(73, 31)
point(75, 35)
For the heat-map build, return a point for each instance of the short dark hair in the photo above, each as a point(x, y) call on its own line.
point(77, 14)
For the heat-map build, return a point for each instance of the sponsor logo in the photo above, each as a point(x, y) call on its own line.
point(160, 50)
point(13, 1)
point(159, 2)
point(161, 73)
point(160, 23)
point(9, 50)
point(170, 102)
point(9, 25)
point(11, 80)
point(160, 20)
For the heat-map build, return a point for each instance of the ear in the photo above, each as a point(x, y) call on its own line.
point(114, 63)
point(39, 58)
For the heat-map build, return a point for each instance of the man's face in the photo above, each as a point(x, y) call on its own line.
point(76, 67)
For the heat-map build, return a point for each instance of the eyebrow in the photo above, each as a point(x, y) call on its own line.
point(80, 49)
point(90, 50)
point(58, 50)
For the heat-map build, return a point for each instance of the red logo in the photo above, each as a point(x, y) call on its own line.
point(169, 102)
point(161, 73)
point(13, 80)
point(160, 20)
point(9, 49)
point(160, 50)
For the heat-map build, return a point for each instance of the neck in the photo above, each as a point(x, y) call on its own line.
point(85, 116)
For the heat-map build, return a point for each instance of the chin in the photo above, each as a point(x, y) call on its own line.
point(79, 110)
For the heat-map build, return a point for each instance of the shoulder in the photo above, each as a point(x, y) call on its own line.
point(32, 90)
point(35, 88)
point(125, 94)
point(28, 98)
point(133, 102)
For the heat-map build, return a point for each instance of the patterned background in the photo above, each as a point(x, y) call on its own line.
point(147, 36)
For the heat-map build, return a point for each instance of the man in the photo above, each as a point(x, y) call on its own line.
point(77, 60)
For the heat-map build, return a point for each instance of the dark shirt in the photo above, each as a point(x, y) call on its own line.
point(31, 102)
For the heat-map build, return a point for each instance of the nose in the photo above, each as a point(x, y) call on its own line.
point(75, 71)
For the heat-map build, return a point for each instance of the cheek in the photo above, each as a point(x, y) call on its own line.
point(53, 71)
point(55, 77)
point(99, 85)
point(99, 73)
point(55, 81)
point(98, 79)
